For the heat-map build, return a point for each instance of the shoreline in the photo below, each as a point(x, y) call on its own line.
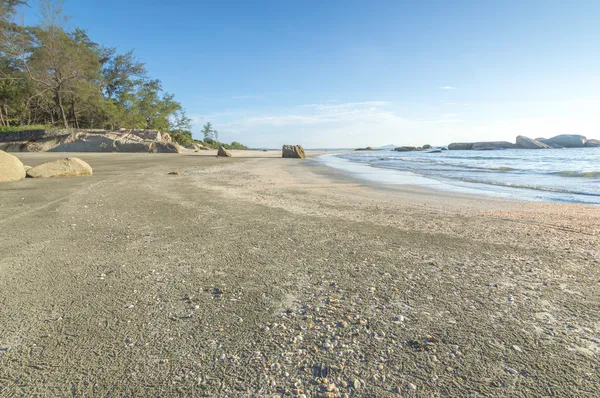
point(389, 175)
point(266, 276)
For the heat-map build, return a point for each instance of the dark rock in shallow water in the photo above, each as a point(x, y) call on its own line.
point(549, 143)
point(529, 143)
point(364, 149)
point(492, 145)
point(460, 146)
point(426, 146)
point(592, 143)
point(567, 141)
point(405, 149)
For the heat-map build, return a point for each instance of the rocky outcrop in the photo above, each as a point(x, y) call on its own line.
point(567, 141)
point(364, 149)
point(11, 168)
point(492, 145)
point(426, 146)
point(197, 147)
point(167, 147)
point(592, 143)
point(529, 143)
point(224, 153)
point(549, 143)
point(68, 167)
point(460, 146)
point(405, 149)
point(152, 135)
point(89, 141)
point(293, 151)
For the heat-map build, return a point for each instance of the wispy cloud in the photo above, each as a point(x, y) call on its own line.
point(448, 88)
point(331, 125)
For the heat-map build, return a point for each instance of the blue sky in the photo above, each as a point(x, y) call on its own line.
point(355, 73)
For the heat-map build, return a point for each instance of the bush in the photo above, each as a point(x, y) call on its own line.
point(236, 145)
point(14, 129)
point(182, 137)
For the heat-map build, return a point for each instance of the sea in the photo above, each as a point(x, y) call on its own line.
point(559, 175)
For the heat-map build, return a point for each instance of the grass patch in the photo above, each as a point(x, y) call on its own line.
point(16, 129)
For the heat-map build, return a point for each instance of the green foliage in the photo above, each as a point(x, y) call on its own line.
point(182, 137)
point(13, 129)
point(207, 132)
point(53, 76)
point(236, 145)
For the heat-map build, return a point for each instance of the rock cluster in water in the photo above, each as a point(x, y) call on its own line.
point(522, 142)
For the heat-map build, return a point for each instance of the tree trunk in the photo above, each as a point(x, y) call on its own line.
point(74, 114)
point(62, 109)
point(2, 118)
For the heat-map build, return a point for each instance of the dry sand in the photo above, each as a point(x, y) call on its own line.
point(265, 276)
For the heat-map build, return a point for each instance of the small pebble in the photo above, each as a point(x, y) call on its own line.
point(411, 387)
point(517, 348)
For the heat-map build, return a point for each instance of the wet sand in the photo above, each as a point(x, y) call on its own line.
point(262, 276)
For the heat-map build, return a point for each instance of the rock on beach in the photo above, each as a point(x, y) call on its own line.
point(11, 168)
point(223, 153)
point(293, 151)
point(68, 167)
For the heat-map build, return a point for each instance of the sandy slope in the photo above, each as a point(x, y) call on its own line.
point(264, 276)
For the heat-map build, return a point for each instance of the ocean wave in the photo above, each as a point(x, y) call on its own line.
point(524, 186)
point(578, 174)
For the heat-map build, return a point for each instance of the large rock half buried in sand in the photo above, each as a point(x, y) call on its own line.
point(68, 167)
point(11, 168)
point(224, 153)
point(293, 151)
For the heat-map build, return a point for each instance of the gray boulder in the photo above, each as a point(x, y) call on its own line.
point(224, 153)
point(592, 143)
point(405, 149)
point(124, 145)
point(492, 145)
point(79, 142)
point(166, 147)
point(197, 147)
point(11, 168)
point(549, 143)
point(529, 143)
point(567, 140)
point(68, 167)
point(293, 151)
point(426, 146)
point(460, 146)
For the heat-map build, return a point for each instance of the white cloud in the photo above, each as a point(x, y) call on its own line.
point(448, 88)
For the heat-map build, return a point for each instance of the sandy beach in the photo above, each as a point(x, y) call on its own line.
point(260, 276)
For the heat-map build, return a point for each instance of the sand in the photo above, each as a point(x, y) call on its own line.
point(262, 276)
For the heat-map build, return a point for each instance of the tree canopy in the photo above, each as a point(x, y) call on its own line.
point(51, 75)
